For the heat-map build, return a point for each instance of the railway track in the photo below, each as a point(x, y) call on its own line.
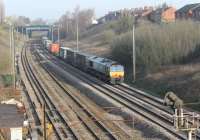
point(43, 99)
point(109, 130)
point(35, 115)
point(157, 102)
point(133, 105)
point(79, 112)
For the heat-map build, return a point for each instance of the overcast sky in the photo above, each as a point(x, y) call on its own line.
point(53, 9)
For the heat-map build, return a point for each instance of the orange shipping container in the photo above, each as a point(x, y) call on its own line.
point(55, 48)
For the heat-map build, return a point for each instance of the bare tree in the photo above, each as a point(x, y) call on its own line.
point(68, 21)
point(2, 11)
point(22, 21)
point(38, 21)
point(64, 22)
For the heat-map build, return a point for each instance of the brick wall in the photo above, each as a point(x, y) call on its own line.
point(169, 15)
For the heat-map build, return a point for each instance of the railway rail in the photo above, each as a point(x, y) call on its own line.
point(51, 106)
point(131, 104)
point(43, 99)
point(109, 130)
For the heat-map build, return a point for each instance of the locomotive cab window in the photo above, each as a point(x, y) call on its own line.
point(91, 64)
point(116, 68)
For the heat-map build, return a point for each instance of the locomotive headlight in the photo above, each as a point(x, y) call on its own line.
point(117, 74)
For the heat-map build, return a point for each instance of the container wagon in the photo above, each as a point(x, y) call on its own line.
point(71, 57)
point(63, 53)
point(82, 60)
point(54, 48)
point(47, 44)
point(43, 40)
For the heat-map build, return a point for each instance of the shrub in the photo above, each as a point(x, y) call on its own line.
point(108, 36)
point(122, 48)
point(7, 80)
point(158, 45)
point(124, 24)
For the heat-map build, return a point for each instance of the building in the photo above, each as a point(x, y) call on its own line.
point(163, 15)
point(142, 12)
point(115, 15)
point(134, 12)
point(190, 11)
point(196, 13)
point(11, 122)
point(111, 16)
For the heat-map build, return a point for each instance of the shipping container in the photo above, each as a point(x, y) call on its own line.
point(71, 56)
point(81, 60)
point(55, 48)
point(63, 52)
point(48, 44)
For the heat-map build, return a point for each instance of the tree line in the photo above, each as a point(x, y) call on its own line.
point(81, 18)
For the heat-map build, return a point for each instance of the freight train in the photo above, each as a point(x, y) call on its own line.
point(103, 68)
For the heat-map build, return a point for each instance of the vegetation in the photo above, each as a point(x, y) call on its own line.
point(123, 25)
point(164, 53)
point(108, 36)
point(5, 56)
point(158, 45)
point(4, 50)
point(7, 80)
point(69, 21)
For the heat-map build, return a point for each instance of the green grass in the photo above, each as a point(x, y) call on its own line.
point(7, 80)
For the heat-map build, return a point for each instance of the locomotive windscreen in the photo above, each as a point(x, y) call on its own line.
point(117, 68)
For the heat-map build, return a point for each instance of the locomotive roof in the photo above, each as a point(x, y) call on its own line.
point(72, 50)
point(65, 48)
point(44, 37)
point(84, 54)
point(103, 60)
point(48, 40)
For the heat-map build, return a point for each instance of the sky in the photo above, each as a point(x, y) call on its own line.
point(53, 9)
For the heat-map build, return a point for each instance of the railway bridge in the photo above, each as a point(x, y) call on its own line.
point(52, 30)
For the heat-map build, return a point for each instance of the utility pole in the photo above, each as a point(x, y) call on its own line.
point(67, 26)
point(13, 54)
point(26, 34)
point(17, 33)
point(44, 123)
point(134, 55)
point(11, 48)
point(59, 34)
point(52, 34)
point(77, 31)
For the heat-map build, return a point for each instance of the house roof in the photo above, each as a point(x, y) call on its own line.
point(188, 7)
point(10, 117)
point(196, 8)
point(146, 13)
point(161, 10)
